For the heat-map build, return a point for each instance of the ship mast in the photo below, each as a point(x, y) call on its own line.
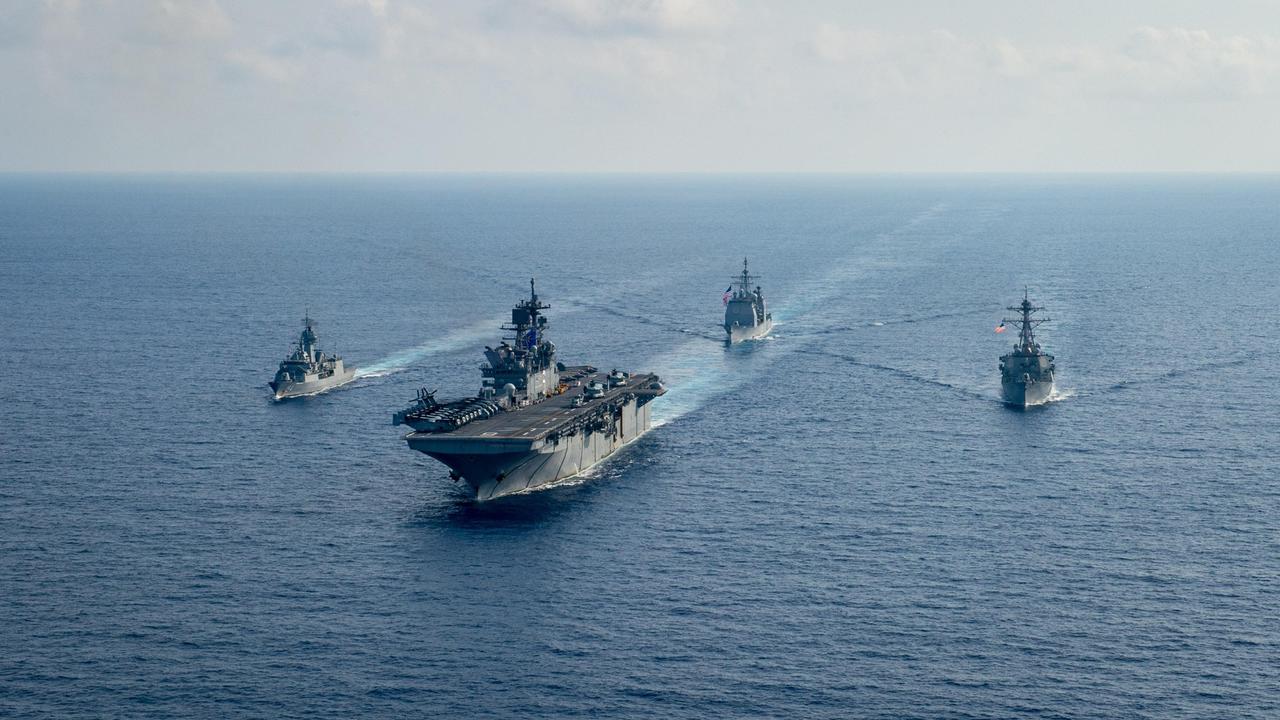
point(526, 321)
point(744, 280)
point(307, 343)
point(1026, 324)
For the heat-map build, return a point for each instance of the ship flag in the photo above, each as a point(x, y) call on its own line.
point(728, 293)
point(1000, 328)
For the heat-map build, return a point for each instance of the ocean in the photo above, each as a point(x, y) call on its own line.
point(840, 521)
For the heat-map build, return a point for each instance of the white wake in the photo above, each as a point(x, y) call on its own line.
point(408, 357)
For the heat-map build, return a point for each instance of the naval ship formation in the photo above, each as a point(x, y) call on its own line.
point(307, 370)
point(745, 315)
point(1026, 374)
point(535, 420)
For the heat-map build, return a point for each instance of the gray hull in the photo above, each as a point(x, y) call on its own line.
point(1026, 374)
point(1025, 394)
point(299, 389)
point(739, 333)
point(494, 467)
point(1026, 378)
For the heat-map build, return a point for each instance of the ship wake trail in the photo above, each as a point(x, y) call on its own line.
point(583, 304)
point(891, 322)
point(935, 316)
point(908, 375)
point(697, 372)
point(880, 251)
point(1061, 394)
point(404, 359)
point(1177, 373)
point(694, 373)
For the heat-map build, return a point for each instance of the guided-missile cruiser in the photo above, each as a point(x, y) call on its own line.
point(535, 420)
point(1026, 374)
point(307, 370)
point(745, 316)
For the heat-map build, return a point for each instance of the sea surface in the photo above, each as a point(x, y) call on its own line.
point(839, 521)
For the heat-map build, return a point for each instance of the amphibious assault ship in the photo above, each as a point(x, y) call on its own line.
point(307, 370)
point(745, 316)
point(535, 420)
point(1026, 374)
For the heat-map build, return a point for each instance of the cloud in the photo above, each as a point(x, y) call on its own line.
point(873, 63)
point(272, 67)
point(1150, 64)
point(601, 84)
point(148, 48)
point(1193, 64)
point(638, 17)
point(169, 22)
point(19, 22)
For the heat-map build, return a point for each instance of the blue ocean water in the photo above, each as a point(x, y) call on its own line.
point(840, 521)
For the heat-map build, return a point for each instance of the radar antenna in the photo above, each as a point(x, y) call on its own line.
point(527, 320)
point(745, 280)
point(1026, 324)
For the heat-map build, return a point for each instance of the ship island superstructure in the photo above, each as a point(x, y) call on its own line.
point(745, 314)
point(1026, 374)
point(307, 370)
point(535, 420)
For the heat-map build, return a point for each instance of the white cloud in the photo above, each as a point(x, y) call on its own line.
point(266, 66)
point(1152, 63)
point(177, 21)
point(612, 84)
point(19, 22)
point(834, 43)
point(638, 16)
point(873, 63)
point(1194, 64)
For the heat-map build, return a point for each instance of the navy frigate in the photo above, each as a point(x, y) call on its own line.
point(535, 420)
point(1026, 374)
point(745, 315)
point(308, 371)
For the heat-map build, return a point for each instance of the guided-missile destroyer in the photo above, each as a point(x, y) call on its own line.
point(307, 370)
point(1026, 374)
point(745, 316)
point(535, 420)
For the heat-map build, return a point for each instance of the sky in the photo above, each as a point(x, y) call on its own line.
point(639, 86)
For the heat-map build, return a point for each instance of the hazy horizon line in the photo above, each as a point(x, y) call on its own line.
point(641, 173)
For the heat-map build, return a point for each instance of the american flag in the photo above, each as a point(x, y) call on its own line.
point(1000, 328)
point(728, 293)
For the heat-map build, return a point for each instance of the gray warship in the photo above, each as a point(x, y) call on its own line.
point(535, 420)
point(307, 370)
point(1026, 374)
point(745, 315)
